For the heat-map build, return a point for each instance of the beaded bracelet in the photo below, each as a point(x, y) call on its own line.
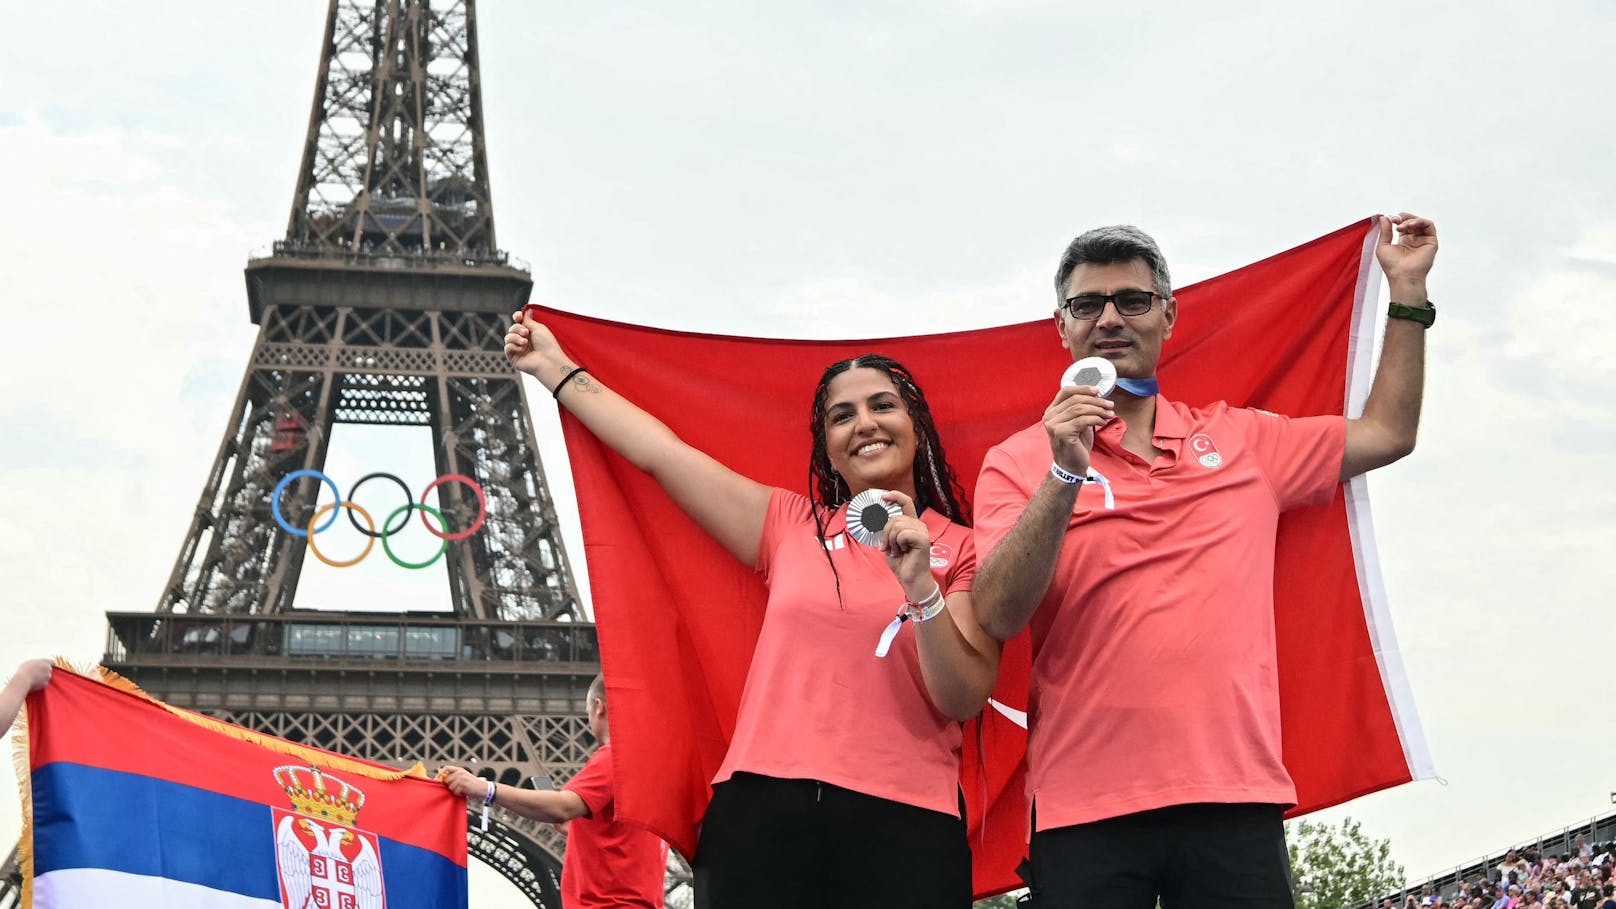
point(927, 609)
point(923, 611)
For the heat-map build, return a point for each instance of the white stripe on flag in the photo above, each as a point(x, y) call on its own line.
point(74, 888)
point(1366, 320)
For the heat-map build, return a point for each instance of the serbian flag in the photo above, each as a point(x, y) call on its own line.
point(129, 802)
point(678, 617)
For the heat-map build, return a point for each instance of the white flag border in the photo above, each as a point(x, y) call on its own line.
point(1361, 526)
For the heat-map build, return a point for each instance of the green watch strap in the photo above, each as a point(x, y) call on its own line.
point(1425, 315)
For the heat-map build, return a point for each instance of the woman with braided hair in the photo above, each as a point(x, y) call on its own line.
point(840, 786)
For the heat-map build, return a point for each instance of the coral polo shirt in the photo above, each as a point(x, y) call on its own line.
point(1154, 680)
point(608, 865)
point(818, 703)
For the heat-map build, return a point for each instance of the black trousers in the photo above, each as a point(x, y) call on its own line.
point(802, 844)
point(1190, 856)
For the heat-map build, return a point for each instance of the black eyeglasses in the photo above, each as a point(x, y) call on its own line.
point(1129, 303)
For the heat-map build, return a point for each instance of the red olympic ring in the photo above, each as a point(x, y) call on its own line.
point(482, 506)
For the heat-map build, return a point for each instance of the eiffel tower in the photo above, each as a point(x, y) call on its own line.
point(386, 304)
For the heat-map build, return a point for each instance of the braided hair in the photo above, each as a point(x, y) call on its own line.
point(936, 486)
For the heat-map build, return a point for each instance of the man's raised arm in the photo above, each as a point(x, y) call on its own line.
point(1391, 417)
point(1013, 577)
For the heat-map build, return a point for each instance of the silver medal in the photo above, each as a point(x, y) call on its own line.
point(868, 514)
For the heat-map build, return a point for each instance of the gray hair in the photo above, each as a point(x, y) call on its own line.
point(1109, 246)
point(597, 689)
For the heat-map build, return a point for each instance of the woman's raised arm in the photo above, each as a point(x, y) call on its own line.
point(728, 506)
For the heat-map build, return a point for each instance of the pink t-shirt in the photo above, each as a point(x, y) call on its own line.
point(1153, 677)
point(818, 703)
point(608, 865)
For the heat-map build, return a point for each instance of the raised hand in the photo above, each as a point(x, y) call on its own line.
point(1407, 259)
point(34, 673)
point(1070, 421)
point(532, 349)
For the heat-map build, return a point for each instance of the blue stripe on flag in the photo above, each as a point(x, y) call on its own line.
point(88, 817)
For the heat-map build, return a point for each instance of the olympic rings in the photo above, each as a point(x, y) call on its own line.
point(388, 528)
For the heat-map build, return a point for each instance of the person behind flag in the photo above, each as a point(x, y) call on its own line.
point(31, 675)
point(838, 757)
point(1154, 762)
point(607, 864)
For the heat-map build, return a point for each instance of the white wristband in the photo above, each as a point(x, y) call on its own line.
point(927, 609)
point(923, 611)
point(1064, 475)
point(487, 800)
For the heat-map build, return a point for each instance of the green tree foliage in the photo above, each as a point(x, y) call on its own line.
point(1338, 865)
point(1002, 901)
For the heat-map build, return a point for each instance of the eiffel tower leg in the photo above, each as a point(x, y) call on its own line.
point(506, 570)
point(235, 558)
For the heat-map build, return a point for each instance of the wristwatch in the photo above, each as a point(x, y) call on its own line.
point(1425, 315)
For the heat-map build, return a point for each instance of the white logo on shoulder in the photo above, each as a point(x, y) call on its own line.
point(939, 555)
point(1205, 452)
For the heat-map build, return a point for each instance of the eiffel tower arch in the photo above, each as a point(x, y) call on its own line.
point(386, 304)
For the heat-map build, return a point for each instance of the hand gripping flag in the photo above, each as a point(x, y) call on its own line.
point(678, 616)
point(129, 802)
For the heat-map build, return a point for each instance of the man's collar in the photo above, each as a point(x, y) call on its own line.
point(1169, 423)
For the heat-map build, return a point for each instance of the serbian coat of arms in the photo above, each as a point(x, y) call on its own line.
point(324, 861)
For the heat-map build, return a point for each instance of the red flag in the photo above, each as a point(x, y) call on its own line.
point(678, 616)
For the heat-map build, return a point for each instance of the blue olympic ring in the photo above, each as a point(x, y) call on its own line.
point(275, 501)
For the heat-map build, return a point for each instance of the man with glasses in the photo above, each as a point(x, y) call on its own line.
point(1153, 756)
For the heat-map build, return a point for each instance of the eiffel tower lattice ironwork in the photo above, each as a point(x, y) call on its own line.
point(386, 303)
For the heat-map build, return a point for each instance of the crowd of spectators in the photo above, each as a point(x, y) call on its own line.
point(1582, 878)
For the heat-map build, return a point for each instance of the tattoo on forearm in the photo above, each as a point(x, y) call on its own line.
point(581, 381)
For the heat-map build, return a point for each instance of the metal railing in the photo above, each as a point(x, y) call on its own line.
point(1599, 829)
point(365, 254)
point(300, 638)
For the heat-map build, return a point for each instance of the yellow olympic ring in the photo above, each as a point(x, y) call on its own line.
point(370, 542)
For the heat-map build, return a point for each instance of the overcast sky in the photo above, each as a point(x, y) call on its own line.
point(870, 169)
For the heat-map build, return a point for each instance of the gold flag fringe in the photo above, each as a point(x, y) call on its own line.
point(23, 765)
point(302, 753)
